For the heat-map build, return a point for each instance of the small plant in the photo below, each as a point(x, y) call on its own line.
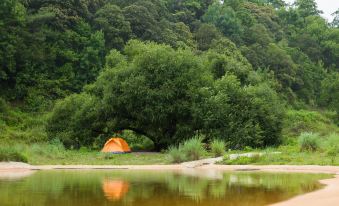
point(309, 141)
point(193, 148)
point(217, 147)
point(176, 155)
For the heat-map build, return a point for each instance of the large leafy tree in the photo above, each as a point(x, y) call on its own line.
point(167, 95)
point(154, 93)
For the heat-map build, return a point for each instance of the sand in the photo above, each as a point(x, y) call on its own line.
point(328, 196)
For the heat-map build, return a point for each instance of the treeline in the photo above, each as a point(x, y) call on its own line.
point(225, 71)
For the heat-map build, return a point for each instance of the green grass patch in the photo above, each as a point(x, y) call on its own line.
point(11, 154)
point(299, 121)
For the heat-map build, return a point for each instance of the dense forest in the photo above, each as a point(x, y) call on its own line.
point(167, 69)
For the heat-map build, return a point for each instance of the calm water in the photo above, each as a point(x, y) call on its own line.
point(145, 188)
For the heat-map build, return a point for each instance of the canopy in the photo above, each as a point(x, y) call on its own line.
point(116, 145)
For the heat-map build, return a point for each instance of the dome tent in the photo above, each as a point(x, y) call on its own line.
point(116, 145)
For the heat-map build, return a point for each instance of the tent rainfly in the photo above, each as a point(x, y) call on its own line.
point(116, 145)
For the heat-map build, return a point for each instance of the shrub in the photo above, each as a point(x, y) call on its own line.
point(309, 141)
point(11, 154)
point(189, 150)
point(176, 155)
point(137, 142)
point(193, 148)
point(250, 116)
point(217, 147)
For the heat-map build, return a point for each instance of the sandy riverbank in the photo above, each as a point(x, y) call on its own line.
point(328, 196)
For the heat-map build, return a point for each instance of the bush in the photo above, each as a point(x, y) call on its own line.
point(309, 141)
point(137, 142)
point(193, 148)
point(11, 154)
point(249, 116)
point(217, 147)
point(176, 154)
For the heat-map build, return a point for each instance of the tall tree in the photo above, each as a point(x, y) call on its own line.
point(111, 21)
point(307, 8)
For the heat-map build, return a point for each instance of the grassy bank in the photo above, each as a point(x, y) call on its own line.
point(56, 154)
point(23, 138)
point(309, 138)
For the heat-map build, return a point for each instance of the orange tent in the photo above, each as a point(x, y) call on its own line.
point(116, 145)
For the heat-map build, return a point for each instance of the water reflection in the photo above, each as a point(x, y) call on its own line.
point(115, 189)
point(145, 188)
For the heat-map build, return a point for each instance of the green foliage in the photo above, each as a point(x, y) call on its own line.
point(217, 147)
point(189, 150)
point(3, 107)
point(249, 116)
point(332, 146)
point(176, 154)
point(309, 142)
point(137, 142)
point(226, 70)
point(193, 148)
point(330, 94)
point(243, 160)
point(112, 22)
point(298, 121)
point(73, 121)
point(11, 154)
point(224, 18)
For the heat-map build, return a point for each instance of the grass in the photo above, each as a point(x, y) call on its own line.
point(309, 141)
point(22, 126)
point(310, 138)
point(193, 149)
point(290, 155)
point(23, 138)
point(189, 150)
point(11, 154)
point(217, 147)
point(53, 154)
point(176, 155)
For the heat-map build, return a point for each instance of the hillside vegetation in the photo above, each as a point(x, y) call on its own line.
point(248, 73)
